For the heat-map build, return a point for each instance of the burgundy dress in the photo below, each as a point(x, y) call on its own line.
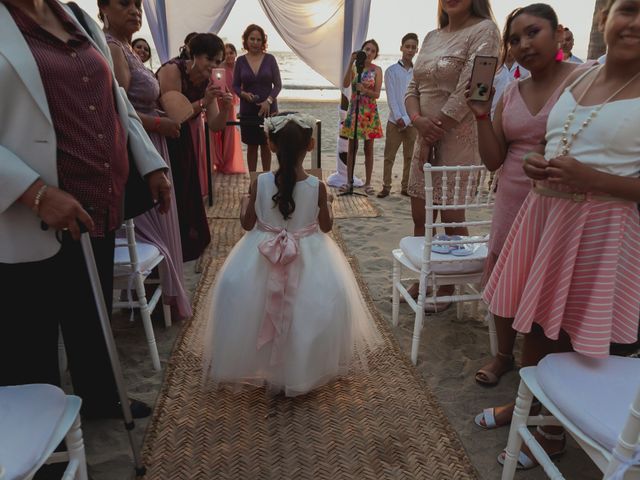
point(194, 229)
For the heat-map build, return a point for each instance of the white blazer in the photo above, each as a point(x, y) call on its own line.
point(28, 141)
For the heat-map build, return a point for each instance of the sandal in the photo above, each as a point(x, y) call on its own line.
point(488, 415)
point(490, 378)
point(368, 189)
point(525, 462)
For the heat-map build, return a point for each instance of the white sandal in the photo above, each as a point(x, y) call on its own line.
point(525, 462)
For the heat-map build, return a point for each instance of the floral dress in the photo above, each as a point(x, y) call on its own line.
point(369, 125)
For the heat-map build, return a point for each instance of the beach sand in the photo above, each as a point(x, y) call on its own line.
point(451, 350)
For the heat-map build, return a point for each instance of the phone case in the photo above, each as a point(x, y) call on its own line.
point(218, 77)
point(482, 75)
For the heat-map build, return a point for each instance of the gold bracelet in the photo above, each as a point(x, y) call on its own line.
point(38, 198)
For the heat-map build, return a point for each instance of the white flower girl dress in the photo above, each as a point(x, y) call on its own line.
point(286, 310)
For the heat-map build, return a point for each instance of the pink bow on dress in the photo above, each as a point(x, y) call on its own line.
point(281, 250)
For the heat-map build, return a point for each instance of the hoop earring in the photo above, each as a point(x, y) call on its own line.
point(559, 55)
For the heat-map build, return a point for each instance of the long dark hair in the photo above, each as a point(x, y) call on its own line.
point(479, 8)
point(540, 10)
point(291, 141)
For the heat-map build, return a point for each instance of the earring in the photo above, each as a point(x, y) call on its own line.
point(559, 55)
point(106, 22)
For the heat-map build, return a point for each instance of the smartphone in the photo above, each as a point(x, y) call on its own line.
point(484, 70)
point(218, 78)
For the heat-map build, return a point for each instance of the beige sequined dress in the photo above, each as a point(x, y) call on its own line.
point(440, 76)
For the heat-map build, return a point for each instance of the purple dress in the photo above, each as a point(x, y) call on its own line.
point(266, 83)
point(194, 229)
point(153, 227)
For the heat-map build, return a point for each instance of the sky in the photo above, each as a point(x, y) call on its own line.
point(391, 19)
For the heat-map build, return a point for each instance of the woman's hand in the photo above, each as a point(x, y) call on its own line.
point(62, 211)
point(265, 109)
point(249, 97)
point(572, 173)
point(361, 89)
point(479, 108)
point(160, 188)
point(430, 128)
point(168, 128)
point(535, 166)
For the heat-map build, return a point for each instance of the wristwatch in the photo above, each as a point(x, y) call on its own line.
point(269, 100)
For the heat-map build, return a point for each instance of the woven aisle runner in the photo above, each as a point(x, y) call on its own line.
point(228, 190)
point(383, 424)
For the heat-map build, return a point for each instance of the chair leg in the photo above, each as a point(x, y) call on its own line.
point(166, 309)
point(75, 448)
point(519, 420)
point(417, 325)
point(395, 294)
point(475, 305)
point(493, 336)
point(166, 312)
point(145, 313)
point(62, 356)
point(459, 290)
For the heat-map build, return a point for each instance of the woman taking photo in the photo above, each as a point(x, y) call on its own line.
point(256, 80)
point(365, 94)
point(191, 78)
point(437, 106)
point(143, 91)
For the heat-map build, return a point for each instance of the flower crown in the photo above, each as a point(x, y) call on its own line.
point(277, 122)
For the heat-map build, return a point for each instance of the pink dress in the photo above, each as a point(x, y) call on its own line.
point(523, 133)
point(226, 151)
point(575, 265)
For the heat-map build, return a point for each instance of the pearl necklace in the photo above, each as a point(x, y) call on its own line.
point(566, 141)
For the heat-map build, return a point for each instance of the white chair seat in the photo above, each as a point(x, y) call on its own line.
point(574, 383)
point(444, 264)
point(31, 414)
point(147, 258)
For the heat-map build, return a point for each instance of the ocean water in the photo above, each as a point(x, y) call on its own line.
point(301, 83)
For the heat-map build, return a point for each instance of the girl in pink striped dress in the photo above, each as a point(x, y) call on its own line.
point(570, 267)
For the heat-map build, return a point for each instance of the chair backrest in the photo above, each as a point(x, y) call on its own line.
point(470, 188)
point(626, 453)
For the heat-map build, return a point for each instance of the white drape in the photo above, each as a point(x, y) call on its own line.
point(320, 32)
point(171, 20)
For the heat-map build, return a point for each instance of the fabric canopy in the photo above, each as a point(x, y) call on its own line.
point(323, 33)
point(171, 20)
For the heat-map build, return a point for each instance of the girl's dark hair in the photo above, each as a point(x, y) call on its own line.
point(374, 43)
point(479, 8)
point(184, 49)
point(105, 3)
point(208, 44)
point(247, 31)
point(231, 46)
point(291, 142)
point(540, 10)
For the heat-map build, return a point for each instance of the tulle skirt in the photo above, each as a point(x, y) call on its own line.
point(331, 330)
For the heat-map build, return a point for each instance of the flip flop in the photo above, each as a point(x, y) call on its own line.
point(441, 248)
point(461, 250)
point(489, 417)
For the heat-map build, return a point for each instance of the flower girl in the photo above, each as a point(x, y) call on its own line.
point(286, 310)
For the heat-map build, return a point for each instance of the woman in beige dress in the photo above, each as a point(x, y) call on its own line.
point(436, 104)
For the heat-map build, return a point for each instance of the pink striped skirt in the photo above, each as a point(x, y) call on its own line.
point(573, 266)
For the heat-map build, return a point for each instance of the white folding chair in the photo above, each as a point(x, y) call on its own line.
point(133, 263)
point(590, 398)
point(34, 419)
point(436, 269)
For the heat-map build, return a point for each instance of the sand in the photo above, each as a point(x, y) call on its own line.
point(451, 350)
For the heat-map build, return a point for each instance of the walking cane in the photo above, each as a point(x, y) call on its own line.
point(94, 278)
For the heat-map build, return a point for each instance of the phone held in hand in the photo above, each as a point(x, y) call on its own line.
point(482, 75)
point(218, 78)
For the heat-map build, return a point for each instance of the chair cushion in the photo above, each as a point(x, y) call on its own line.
point(444, 264)
point(147, 253)
point(29, 415)
point(595, 394)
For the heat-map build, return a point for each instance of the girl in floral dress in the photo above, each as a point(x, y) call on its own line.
point(366, 91)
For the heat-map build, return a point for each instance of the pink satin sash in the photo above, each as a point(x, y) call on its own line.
point(281, 250)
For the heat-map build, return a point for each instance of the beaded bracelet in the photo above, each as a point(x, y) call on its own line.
point(413, 117)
